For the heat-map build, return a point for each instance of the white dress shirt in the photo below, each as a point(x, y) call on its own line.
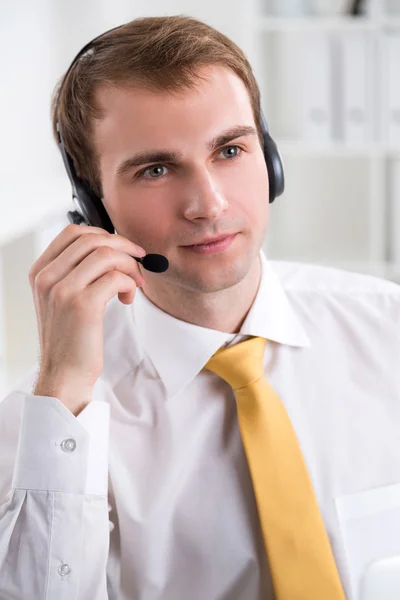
point(146, 494)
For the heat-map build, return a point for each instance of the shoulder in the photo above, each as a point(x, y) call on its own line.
point(323, 294)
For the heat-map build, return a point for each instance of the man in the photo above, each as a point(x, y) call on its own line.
point(124, 471)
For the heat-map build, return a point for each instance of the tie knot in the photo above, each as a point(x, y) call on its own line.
point(241, 364)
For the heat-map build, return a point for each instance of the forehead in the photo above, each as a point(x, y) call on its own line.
point(132, 114)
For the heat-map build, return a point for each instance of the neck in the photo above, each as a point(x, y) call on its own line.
point(222, 310)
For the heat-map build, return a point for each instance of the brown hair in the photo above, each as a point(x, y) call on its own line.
point(159, 53)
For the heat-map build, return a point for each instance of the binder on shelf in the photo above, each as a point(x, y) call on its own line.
point(392, 8)
point(356, 111)
point(289, 8)
point(331, 8)
point(316, 103)
point(391, 88)
point(357, 7)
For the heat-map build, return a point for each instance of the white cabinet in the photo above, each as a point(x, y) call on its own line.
point(332, 102)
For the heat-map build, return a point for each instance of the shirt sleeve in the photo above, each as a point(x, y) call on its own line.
point(54, 525)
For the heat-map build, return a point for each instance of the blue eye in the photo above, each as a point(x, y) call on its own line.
point(153, 169)
point(230, 148)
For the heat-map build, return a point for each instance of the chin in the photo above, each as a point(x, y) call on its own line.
point(211, 278)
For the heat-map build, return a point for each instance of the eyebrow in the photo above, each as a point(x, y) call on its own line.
point(163, 156)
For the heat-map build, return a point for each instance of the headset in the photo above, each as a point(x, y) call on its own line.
point(90, 209)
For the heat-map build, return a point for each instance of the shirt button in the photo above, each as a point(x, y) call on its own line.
point(68, 445)
point(64, 569)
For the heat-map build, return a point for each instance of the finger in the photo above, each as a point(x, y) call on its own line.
point(61, 256)
point(64, 239)
point(106, 287)
point(98, 263)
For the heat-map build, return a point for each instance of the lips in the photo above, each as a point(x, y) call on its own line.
point(212, 240)
point(212, 247)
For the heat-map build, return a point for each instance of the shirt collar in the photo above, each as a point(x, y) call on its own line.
point(180, 350)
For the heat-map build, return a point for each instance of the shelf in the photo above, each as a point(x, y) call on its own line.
point(383, 270)
point(393, 272)
point(340, 23)
point(315, 23)
point(391, 22)
point(336, 149)
point(376, 269)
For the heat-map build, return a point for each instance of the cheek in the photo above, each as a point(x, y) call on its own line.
point(251, 172)
point(144, 222)
point(251, 187)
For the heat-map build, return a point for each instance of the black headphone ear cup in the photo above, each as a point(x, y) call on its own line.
point(273, 162)
point(92, 208)
point(274, 167)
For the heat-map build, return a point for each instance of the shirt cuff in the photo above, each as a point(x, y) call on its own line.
point(60, 452)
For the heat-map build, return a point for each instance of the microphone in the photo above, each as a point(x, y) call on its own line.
point(157, 263)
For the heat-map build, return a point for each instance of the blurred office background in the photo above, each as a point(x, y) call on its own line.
point(328, 71)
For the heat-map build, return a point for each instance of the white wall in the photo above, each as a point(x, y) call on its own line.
point(38, 40)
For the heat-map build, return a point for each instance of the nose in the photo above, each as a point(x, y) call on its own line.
point(203, 197)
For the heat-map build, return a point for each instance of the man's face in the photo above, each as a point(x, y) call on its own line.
point(165, 203)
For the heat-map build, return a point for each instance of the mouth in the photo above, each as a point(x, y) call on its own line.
point(212, 240)
point(212, 246)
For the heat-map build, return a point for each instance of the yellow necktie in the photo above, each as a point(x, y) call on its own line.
point(298, 549)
